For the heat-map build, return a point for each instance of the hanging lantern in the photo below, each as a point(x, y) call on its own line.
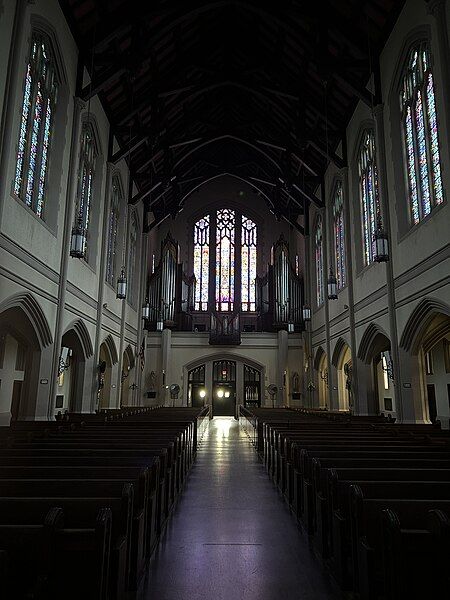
point(332, 286)
point(146, 310)
point(122, 285)
point(160, 323)
point(380, 240)
point(290, 327)
point(306, 313)
point(78, 239)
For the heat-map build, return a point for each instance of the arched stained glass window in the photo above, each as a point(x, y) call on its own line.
point(225, 230)
point(132, 279)
point(86, 178)
point(201, 263)
point(339, 235)
point(248, 264)
point(420, 134)
point(368, 193)
point(113, 226)
point(36, 124)
point(319, 261)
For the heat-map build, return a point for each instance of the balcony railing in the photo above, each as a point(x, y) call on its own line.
point(225, 329)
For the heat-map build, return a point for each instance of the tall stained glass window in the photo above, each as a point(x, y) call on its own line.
point(420, 134)
point(339, 235)
point(368, 193)
point(225, 230)
point(319, 262)
point(248, 264)
point(201, 263)
point(36, 125)
point(132, 279)
point(113, 226)
point(86, 177)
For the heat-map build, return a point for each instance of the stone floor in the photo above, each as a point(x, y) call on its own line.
point(231, 536)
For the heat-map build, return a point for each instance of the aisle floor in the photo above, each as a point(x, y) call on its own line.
point(231, 536)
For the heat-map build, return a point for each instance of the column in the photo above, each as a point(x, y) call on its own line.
point(69, 205)
point(137, 392)
point(123, 317)
point(283, 340)
point(166, 342)
point(101, 285)
point(384, 199)
point(354, 397)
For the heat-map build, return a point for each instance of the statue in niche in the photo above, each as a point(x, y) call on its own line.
point(152, 381)
point(348, 383)
point(295, 382)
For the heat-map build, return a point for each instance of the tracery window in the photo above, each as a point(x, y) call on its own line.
point(225, 226)
point(368, 193)
point(248, 264)
point(85, 179)
point(201, 263)
point(420, 134)
point(132, 279)
point(113, 226)
point(319, 262)
point(339, 235)
point(36, 125)
point(232, 235)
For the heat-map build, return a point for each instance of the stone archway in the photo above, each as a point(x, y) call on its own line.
point(425, 359)
point(127, 376)
point(375, 387)
point(76, 349)
point(342, 362)
point(107, 359)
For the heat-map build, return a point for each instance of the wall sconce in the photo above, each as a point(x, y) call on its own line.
point(332, 286)
point(122, 285)
point(202, 394)
point(78, 239)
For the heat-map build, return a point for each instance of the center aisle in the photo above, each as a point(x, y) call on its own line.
point(231, 536)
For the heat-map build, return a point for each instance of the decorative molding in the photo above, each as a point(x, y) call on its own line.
point(419, 322)
point(365, 350)
point(425, 265)
point(18, 252)
point(320, 352)
point(27, 285)
point(81, 330)
point(31, 307)
point(112, 350)
point(339, 348)
point(72, 289)
point(370, 299)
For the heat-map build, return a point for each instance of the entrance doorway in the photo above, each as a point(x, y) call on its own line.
point(196, 389)
point(224, 388)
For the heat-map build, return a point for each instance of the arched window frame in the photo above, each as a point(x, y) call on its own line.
point(225, 279)
point(113, 228)
point(36, 124)
point(420, 134)
point(339, 234)
point(133, 247)
point(368, 193)
point(86, 176)
point(201, 263)
point(249, 245)
point(319, 256)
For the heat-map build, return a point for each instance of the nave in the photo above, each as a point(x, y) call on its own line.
point(231, 535)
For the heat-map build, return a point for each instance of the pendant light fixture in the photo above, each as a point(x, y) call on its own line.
point(306, 313)
point(78, 239)
point(380, 241)
point(146, 310)
point(122, 283)
point(332, 286)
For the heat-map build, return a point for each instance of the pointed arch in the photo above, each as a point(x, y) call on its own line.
point(341, 346)
point(108, 342)
point(83, 334)
point(320, 353)
point(419, 321)
point(31, 307)
point(130, 356)
point(373, 341)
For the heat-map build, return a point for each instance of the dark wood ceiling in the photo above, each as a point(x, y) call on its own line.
point(262, 90)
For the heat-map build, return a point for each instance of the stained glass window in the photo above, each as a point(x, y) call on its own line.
point(201, 263)
point(420, 134)
point(339, 235)
point(319, 261)
point(86, 177)
point(248, 264)
point(225, 229)
point(132, 279)
point(36, 123)
point(113, 226)
point(368, 192)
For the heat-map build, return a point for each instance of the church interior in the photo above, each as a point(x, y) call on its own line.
point(224, 299)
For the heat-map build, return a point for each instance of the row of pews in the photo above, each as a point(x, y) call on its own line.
point(373, 497)
point(84, 500)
